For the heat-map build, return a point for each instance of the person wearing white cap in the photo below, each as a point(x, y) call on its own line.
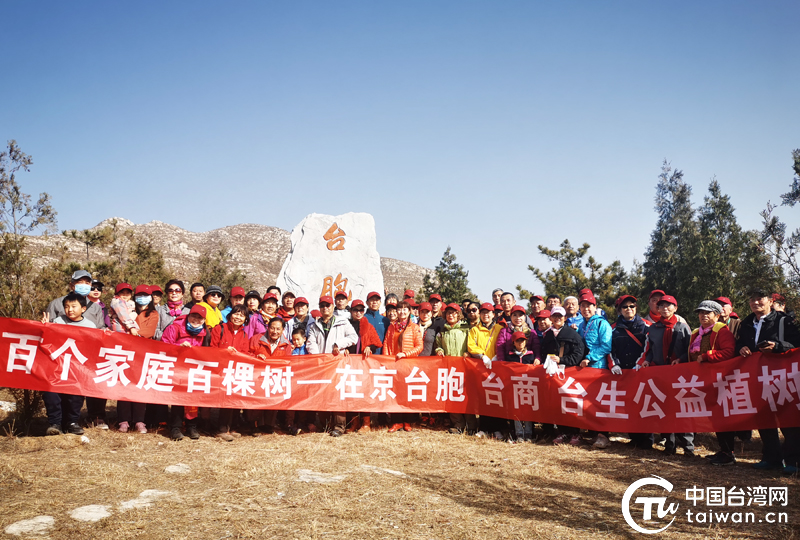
point(81, 283)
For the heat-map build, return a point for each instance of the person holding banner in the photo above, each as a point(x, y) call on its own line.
point(403, 340)
point(596, 333)
point(231, 336)
point(628, 340)
point(64, 410)
point(187, 331)
point(330, 334)
point(562, 346)
point(769, 332)
point(668, 344)
point(452, 341)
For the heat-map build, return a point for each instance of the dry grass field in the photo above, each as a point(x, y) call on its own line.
point(421, 484)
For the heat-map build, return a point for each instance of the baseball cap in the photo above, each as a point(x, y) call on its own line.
point(326, 299)
point(78, 274)
point(435, 297)
point(425, 305)
point(300, 300)
point(558, 310)
point(669, 299)
point(141, 289)
point(200, 310)
point(372, 294)
point(237, 291)
point(487, 306)
point(544, 314)
point(518, 335)
point(122, 287)
point(517, 308)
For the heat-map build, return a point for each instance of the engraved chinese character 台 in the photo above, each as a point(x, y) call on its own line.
point(335, 237)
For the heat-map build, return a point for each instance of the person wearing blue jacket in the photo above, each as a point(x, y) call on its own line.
point(596, 334)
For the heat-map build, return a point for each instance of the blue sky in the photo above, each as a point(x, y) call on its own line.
point(489, 127)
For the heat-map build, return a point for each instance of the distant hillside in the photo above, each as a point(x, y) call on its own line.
point(257, 250)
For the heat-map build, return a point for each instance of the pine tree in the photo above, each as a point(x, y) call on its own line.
point(776, 241)
point(449, 279)
point(671, 259)
point(570, 275)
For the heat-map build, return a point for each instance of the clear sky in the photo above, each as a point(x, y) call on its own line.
point(491, 127)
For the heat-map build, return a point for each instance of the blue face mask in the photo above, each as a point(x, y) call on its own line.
point(83, 289)
point(192, 329)
point(143, 300)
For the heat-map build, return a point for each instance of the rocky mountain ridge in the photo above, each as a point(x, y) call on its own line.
point(257, 250)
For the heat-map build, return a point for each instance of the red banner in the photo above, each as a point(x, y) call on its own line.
point(757, 392)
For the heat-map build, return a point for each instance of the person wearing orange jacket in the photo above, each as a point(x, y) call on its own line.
point(403, 340)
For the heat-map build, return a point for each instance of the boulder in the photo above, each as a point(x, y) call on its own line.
point(330, 254)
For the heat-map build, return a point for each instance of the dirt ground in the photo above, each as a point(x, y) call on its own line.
point(420, 484)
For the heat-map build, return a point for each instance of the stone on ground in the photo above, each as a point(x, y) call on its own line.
point(34, 526)
point(305, 475)
point(92, 512)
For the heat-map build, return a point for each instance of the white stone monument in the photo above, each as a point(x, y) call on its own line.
point(330, 254)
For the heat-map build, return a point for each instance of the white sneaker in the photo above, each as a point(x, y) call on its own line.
point(481, 434)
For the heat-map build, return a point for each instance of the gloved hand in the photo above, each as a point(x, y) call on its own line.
point(616, 370)
point(550, 367)
point(487, 362)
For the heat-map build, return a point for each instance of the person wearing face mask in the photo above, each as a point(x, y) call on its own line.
point(187, 331)
point(768, 331)
point(146, 314)
point(174, 307)
point(81, 283)
point(668, 343)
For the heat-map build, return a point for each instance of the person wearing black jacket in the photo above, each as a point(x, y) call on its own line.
point(771, 331)
point(628, 339)
point(567, 346)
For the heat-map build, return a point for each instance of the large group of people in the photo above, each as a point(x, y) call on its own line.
point(553, 332)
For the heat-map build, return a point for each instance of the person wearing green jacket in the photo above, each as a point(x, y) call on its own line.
point(452, 341)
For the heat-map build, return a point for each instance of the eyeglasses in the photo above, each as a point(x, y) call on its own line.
point(629, 306)
point(174, 291)
point(96, 288)
point(359, 310)
point(473, 310)
point(215, 294)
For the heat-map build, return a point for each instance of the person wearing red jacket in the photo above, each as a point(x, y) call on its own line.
point(714, 342)
point(264, 346)
point(187, 331)
point(368, 343)
point(232, 336)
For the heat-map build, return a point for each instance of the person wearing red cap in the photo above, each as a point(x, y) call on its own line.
point(652, 302)
point(437, 313)
point(268, 309)
point(375, 318)
point(158, 294)
point(264, 346)
point(146, 314)
point(668, 344)
point(235, 299)
point(518, 323)
point(341, 309)
point(330, 335)
point(300, 320)
point(628, 340)
point(482, 338)
point(536, 304)
point(727, 315)
point(187, 331)
point(286, 311)
point(452, 341)
point(426, 327)
point(409, 294)
point(232, 337)
point(596, 334)
point(403, 340)
point(122, 310)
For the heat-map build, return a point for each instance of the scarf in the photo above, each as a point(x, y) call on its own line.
point(401, 325)
point(192, 331)
point(636, 326)
point(695, 348)
point(174, 308)
point(669, 324)
point(656, 316)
